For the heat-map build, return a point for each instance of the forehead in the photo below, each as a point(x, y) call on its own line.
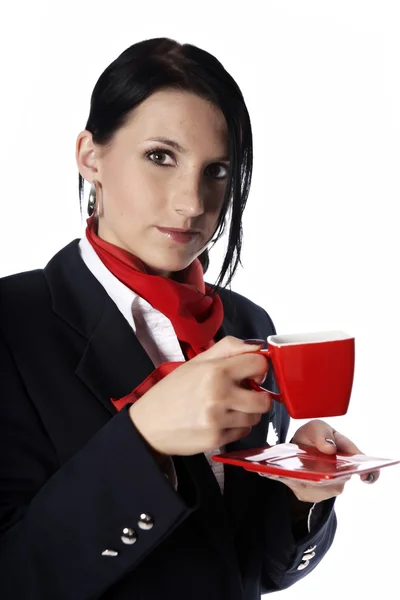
point(194, 122)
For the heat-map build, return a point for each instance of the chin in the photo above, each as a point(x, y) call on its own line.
point(169, 264)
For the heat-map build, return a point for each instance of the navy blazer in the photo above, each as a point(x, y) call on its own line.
point(74, 473)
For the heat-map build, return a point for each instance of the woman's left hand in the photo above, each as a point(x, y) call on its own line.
point(322, 436)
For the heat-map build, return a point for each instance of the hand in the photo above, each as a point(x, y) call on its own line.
point(320, 435)
point(204, 404)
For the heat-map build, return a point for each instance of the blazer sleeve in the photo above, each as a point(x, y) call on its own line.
point(288, 559)
point(56, 522)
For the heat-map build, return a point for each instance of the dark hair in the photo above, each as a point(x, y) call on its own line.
point(150, 65)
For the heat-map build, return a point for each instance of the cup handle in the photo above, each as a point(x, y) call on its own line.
point(257, 387)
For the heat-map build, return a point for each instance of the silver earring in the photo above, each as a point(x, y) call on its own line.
point(91, 207)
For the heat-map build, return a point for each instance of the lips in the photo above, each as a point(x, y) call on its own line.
point(180, 236)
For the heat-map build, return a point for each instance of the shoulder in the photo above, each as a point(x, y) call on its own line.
point(22, 298)
point(29, 290)
point(21, 285)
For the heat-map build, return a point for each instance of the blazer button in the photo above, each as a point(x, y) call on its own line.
point(128, 536)
point(303, 565)
point(145, 522)
point(109, 553)
point(308, 556)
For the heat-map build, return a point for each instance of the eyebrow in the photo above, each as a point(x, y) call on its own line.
point(179, 148)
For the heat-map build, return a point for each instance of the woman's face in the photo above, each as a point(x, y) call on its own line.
point(163, 173)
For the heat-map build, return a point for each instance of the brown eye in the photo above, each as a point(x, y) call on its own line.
point(217, 171)
point(158, 157)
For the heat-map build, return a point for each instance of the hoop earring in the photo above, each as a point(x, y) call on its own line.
point(91, 207)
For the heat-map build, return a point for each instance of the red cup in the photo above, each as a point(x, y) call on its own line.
point(314, 372)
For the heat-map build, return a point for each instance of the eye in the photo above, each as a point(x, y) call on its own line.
point(160, 157)
point(217, 171)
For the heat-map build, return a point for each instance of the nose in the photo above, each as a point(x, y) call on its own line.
point(186, 198)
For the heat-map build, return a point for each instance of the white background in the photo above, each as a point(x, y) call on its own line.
point(321, 231)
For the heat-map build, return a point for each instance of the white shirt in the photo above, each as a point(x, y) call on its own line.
point(152, 328)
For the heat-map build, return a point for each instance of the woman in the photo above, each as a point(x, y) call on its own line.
point(108, 490)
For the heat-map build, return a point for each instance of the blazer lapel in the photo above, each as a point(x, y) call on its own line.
point(113, 362)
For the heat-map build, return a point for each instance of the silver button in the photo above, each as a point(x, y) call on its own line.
point(128, 536)
point(145, 521)
point(303, 565)
point(109, 553)
point(310, 549)
point(309, 556)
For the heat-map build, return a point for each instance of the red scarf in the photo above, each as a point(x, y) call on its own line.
point(195, 314)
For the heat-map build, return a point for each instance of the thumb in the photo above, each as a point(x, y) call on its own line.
point(230, 346)
point(327, 445)
point(318, 434)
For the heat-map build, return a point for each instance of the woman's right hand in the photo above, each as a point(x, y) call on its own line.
point(203, 404)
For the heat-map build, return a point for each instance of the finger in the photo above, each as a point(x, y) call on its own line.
point(234, 434)
point(318, 434)
point(227, 347)
point(326, 483)
point(343, 444)
point(370, 477)
point(249, 401)
point(293, 482)
point(308, 491)
point(249, 366)
point(234, 419)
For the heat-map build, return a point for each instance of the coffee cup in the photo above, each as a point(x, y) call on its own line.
point(314, 372)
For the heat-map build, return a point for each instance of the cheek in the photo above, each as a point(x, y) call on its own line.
point(129, 190)
point(214, 205)
point(217, 195)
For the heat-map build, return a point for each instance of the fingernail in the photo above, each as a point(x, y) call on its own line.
point(330, 441)
point(370, 478)
point(255, 341)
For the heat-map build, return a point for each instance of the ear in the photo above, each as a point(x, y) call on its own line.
point(85, 155)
